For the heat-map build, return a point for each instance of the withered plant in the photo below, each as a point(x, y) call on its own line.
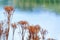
point(37, 28)
point(23, 25)
point(8, 10)
point(33, 30)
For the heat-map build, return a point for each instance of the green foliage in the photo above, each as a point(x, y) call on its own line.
point(30, 4)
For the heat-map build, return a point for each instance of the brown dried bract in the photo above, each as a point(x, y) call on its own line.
point(8, 8)
point(23, 22)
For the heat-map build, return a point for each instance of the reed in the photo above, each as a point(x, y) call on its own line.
point(8, 9)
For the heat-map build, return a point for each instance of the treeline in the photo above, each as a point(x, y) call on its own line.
point(16, 2)
point(30, 4)
point(33, 3)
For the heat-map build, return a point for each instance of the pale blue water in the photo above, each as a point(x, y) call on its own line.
point(45, 18)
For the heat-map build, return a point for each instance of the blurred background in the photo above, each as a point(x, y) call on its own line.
point(46, 13)
point(31, 4)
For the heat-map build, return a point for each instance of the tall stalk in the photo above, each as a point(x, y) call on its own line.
point(8, 9)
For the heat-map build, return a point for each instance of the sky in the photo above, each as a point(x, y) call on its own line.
point(47, 19)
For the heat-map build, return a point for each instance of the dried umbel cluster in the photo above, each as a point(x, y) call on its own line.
point(23, 26)
point(8, 8)
point(24, 23)
point(33, 30)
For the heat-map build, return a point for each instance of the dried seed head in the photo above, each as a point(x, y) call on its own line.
point(23, 22)
point(14, 25)
point(8, 8)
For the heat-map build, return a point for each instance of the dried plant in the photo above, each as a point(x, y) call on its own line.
point(23, 25)
point(8, 9)
point(37, 28)
point(33, 30)
point(14, 26)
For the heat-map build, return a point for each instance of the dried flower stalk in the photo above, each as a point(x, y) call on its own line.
point(14, 26)
point(33, 30)
point(8, 9)
point(23, 25)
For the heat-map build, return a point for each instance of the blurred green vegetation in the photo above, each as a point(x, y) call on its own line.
point(30, 4)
